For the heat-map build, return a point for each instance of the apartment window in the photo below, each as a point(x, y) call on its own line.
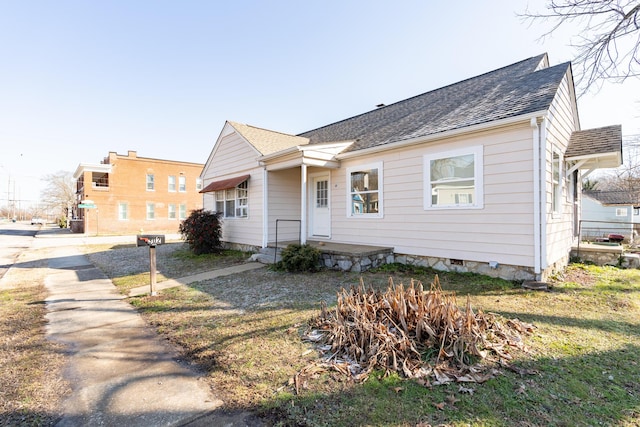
point(182, 184)
point(123, 211)
point(364, 198)
point(172, 183)
point(555, 182)
point(151, 211)
point(171, 209)
point(233, 202)
point(621, 211)
point(636, 211)
point(183, 211)
point(150, 182)
point(198, 184)
point(454, 179)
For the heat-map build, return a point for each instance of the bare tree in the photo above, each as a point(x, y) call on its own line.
point(609, 41)
point(625, 178)
point(60, 192)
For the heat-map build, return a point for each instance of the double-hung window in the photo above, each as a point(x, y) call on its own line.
point(123, 211)
point(171, 211)
point(454, 179)
point(151, 211)
point(172, 183)
point(150, 182)
point(183, 211)
point(182, 183)
point(233, 202)
point(364, 198)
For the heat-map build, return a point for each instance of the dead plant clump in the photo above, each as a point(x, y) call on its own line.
point(420, 334)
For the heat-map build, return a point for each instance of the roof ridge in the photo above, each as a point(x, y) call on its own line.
point(264, 129)
point(540, 56)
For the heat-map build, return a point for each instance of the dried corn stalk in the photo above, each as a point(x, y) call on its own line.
point(396, 329)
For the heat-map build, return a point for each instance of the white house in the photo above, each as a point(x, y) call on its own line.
point(480, 175)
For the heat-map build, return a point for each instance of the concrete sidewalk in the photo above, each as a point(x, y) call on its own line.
point(172, 283)
point(121, 371)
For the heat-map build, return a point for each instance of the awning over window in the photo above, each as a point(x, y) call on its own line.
point(225, 184)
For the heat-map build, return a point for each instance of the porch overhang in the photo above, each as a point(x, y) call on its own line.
point(594, 161)
point(319, 155)
point(592, 149)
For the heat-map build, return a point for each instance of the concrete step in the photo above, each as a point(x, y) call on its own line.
point(267, 256)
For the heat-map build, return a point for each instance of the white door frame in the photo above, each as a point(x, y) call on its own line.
point(311, 202)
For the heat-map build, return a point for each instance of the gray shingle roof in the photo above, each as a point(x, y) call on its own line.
point(615, 197)
point(602, 140)
point(510, 91)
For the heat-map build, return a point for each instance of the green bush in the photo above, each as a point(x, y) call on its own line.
point(62, 222)
point(202, 230)
point(300, 258)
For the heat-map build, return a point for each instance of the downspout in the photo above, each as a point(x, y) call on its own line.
point(303, 204)
point(265, 207)
point(536, 197)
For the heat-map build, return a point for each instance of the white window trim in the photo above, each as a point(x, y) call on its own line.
point(180, 216)
point(147, 211)
point(153, 181)
point(622, 212)
point(376, 165)
point(169, 183)
point(184, 182)
point(126, 211)
point(236, 204)
point(559, 205)
point(478, 178)
point(175, 211)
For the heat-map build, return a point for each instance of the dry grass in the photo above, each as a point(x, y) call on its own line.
point(31, 385)
point(245, 332)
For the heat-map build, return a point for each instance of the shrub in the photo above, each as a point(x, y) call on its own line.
point(202, 231)
point(300, 258)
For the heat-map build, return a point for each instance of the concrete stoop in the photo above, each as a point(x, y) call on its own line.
point(267, 256)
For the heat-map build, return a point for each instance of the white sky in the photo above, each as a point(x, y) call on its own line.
point(79, 79)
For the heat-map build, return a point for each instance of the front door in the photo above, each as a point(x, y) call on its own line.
point(320, 208)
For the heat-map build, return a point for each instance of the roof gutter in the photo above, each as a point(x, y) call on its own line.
point(441, 135)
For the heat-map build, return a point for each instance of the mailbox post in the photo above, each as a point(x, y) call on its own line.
point(151, 240)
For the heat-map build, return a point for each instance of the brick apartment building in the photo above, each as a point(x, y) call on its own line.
point(126, 194)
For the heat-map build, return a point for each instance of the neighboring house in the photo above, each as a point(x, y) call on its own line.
point(132, 193)
point(606, 212)
point(480, 175)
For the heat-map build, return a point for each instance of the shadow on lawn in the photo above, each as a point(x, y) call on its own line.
point(560, 394)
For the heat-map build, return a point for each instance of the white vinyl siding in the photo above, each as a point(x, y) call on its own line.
point(561, 121)
point(231, 157)
point(502, 231)
point(284, 203)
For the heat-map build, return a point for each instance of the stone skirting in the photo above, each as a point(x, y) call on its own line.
point(356, 263)
point(503, 271)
